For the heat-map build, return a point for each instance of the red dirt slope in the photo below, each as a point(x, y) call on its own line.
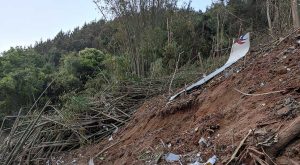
point(218, 113)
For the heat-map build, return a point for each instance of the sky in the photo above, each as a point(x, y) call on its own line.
point(23, 22)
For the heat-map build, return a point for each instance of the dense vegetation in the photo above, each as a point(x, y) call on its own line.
point(135, 41)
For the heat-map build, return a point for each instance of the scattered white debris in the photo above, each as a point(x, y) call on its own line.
point(91, 162)
point(116, 130)
point(170, 157)
point(169, 145)
point(105, 127)
point(203, 142)
point(59, 161)
point(110, 138)
point(212, 160)
point(74, 161)
point(196, 163)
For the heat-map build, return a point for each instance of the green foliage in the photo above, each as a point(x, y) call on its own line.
point(117, 67)
point(141, 41)
point(74, 104)
point(22, 78)
point(91, 58)
point(7, 83)
point(170, 56)
point(77, 69)
point(157, 69)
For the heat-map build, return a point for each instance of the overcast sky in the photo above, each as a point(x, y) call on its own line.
point(22, 22)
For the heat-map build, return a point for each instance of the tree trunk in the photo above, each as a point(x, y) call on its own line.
point(286, 136)
point(294, 6)
point(269, 17)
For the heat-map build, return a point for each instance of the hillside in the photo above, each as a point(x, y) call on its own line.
point(260, 93)
point(99, 93)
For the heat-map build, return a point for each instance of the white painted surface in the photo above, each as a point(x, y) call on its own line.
point(239, 49)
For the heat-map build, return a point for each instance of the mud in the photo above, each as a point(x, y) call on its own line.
point(217, 112)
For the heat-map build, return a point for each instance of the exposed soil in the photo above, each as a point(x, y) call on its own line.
point(217, 112)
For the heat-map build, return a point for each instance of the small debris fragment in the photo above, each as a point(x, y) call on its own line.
point(196, 163)
point(203, 142)
point(169, 145)
point(291, 48)
point(170, 157)
point(74, 161)
point(91, 161)
point(260, 132)
point(212, 160)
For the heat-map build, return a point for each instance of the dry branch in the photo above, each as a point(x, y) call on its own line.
point(37, 135)
point(239, 147)
point(259, 94)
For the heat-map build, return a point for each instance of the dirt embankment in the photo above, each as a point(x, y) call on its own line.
point(260, 93)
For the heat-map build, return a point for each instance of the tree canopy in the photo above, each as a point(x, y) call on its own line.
point(136, 40)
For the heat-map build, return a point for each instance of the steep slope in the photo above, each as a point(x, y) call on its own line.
point(260, 93)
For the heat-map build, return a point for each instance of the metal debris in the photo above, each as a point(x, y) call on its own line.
point(212, 160)
point(196, 163)
point(170, 157)
point(91, 161)
point(203, 142)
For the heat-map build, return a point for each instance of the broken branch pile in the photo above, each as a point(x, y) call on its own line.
point(36, 136)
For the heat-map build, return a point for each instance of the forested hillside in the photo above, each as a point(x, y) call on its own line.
point(141, 40)
point(141, 48)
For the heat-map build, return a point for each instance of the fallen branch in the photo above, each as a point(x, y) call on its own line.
point(105, 149)
point(259, 160)
point(176, 68)
point(265, 124)
point(239, 147)
point(38, 134)
point(259, 94)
